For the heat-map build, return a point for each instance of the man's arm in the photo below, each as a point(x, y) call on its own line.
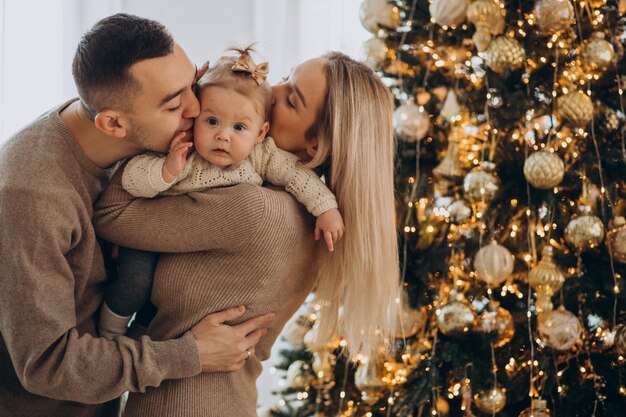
point(39, 233)
point(218, 219)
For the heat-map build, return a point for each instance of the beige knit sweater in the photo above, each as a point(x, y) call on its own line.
point(143, 176)
point(218, 262)
point(51, 287)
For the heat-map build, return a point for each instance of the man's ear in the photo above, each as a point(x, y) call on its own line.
point(311, 147)
point(263, 131)
point(111, 123)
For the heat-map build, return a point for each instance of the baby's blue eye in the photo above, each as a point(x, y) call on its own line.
point(240, 127)
point(212, 121)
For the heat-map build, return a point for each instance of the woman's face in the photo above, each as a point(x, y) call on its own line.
point(296, 103)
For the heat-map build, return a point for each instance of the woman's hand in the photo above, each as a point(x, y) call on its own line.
point(176, 158)
point(331, 225)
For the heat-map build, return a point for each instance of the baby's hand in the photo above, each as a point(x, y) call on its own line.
point(176, 158)
point(331, 224)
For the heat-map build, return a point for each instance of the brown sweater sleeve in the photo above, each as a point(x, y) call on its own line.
point(178, 224)
point(40, 234)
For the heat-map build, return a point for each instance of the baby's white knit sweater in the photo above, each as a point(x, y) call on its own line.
point(143, 176)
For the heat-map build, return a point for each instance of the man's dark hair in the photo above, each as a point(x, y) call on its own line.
point(101, 66)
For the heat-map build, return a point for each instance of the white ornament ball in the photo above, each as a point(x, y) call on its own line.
point(410, 123)
point(448, 12)
point(299, 375)
point(375, 51)
point(559, 329)
point(544, 170)
point(459, 211)
point(494, 264)
point(376, 13)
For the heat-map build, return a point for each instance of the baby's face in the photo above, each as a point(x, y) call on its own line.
point(228, 126)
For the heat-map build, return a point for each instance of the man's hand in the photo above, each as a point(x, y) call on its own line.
point(225, 348)
point(330, 224)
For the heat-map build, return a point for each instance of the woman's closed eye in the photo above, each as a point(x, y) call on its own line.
point(173, 109)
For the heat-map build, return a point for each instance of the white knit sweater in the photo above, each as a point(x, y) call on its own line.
point(143, 176)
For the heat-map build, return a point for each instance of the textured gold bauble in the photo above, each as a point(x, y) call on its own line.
point(554, 16)
point(546, 279)
point(576, 107)
point(481, 185)
point(499, 320)
point(597, 54)
point(375, 51)
point(493, 264)
point(488, 19)
point(299, 375)
point(544, 170)
point(377, 13)
point(584, 231)
point(559, 329)
point(491, 400)
point(620, 339)
point(616, 239)
point(448, 12)
point(505, 54)
point(538, 408)
point(455, 318)
point(410, 122)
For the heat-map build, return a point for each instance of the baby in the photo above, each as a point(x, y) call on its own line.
point(230, 147)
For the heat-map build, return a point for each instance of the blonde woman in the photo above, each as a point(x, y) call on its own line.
point(335, 114)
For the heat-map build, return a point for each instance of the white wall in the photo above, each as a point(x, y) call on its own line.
point(38, 38)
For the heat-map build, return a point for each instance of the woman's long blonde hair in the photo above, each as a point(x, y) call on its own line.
point(355, 130)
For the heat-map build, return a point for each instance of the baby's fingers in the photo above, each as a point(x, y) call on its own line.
point(328, 236)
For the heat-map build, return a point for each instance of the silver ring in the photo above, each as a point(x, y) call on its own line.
point(248, 352)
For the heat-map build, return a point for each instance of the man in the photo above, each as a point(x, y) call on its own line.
point(135, 86)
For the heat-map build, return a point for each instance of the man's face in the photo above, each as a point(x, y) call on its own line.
point(166, 104)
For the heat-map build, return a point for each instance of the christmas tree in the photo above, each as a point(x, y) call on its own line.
point(511, 185)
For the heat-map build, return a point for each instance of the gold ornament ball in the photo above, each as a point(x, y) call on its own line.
point(455, 318)
point(448, 12)
point(491, 400)
point(442, 407)
point(494, 264)
point(499, 320)
point(559, 329)
point(505, 54)
point(576, 107)
point(584, 231)
point(616, 238)
point(481, 184)
point(375, 51)
point(597, 54)
point(377, 13)
point(299, 375)
point(410, 123)
point(544, 170)
point(538, 408)
point(554, 15)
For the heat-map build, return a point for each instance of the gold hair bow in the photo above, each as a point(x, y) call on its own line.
point(258, 72)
